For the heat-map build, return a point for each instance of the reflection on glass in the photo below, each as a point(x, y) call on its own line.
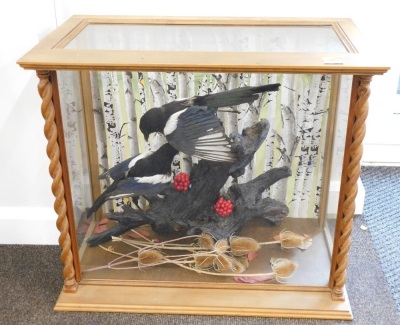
point(75, 140)
point(208, 38)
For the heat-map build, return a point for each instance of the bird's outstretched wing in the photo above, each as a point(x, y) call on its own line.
point(131, 187)
point(146, 173)
point(120, 170)
point(197, 131)
point(134, 186)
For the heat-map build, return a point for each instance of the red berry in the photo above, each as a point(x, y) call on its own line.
point(182, 182)
point(223, 207)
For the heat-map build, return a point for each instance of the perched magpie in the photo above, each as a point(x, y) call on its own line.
point(192, 126)
point(146, 173)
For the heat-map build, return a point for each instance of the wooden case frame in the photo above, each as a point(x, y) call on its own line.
point(278, 301)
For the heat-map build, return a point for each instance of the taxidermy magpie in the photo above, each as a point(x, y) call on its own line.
point(146, 173)
point(192, 126)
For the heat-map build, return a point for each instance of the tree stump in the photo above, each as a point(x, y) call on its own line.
point(192, 211)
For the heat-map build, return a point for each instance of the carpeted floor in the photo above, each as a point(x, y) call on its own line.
point(382, 217)
point(30, 278)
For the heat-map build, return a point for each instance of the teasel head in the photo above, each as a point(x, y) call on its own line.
point(283, 268)
point(227, 264)
point(243, 245)
point(149, 257)
point(204, 261)
point(290, 240)
point(243, 260)
point(221, 246)
point(206, 241)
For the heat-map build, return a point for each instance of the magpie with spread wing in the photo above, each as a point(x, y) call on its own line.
point(192, 126)
point(146, 173)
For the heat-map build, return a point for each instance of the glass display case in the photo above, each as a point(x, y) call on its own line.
point(204, 165)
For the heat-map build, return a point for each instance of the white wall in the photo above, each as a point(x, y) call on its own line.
point(26, 201)
point(26, 214)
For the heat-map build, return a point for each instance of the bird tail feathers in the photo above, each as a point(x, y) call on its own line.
point(234, 97)
point(101, 199)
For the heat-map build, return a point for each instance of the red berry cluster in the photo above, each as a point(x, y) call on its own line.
point(223, 207)
point(181, 182)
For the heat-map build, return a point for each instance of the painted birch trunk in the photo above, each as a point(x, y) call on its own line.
point(306, 100)
point(287, 139)
point(232, 121)
point(142, 99)
point(171, 96)
point(314, 149)
point(270, 114)
point(221, 84)
point(111, 115)
point(244, 81)
point(131, 114)
point(100, 127)
point(311, 114)
point(250, 117)
point(159, 99)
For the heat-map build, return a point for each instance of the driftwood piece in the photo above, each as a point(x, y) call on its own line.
point(193, 212)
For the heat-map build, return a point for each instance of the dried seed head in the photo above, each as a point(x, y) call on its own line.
point(238, 266)
point(283, 268)
point(223, 263)
point(292, 240)
point(204, 261)
point(227, 264)
point(243, 245)
point(206, 241)
point(221, 246)
point(149, 257)
point(244, 261)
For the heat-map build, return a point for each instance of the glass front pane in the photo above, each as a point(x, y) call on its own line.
point(75, 135)
point(282, 201)
point(208, 38)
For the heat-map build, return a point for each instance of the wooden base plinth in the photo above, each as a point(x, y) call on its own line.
point(205, 301)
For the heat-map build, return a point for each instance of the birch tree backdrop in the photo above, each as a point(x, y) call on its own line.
point(297, 114)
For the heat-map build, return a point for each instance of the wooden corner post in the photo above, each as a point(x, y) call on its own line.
point(45, 89)
point(356, 129)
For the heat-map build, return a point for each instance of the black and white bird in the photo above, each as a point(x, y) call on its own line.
point(146, 173)
point(192, 126)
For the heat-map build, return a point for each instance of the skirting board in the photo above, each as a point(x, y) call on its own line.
point(381, 154)
point(205, 301)
point(28, 226)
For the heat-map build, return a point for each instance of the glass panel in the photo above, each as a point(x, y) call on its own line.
point(208, 38)
point(76, 145)
point(338, 145)
point(301, 117)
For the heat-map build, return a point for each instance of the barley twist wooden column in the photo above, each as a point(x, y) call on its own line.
point(357, 130)
point(60, 206)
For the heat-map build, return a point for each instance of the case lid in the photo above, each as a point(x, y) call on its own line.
point(290, 45)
